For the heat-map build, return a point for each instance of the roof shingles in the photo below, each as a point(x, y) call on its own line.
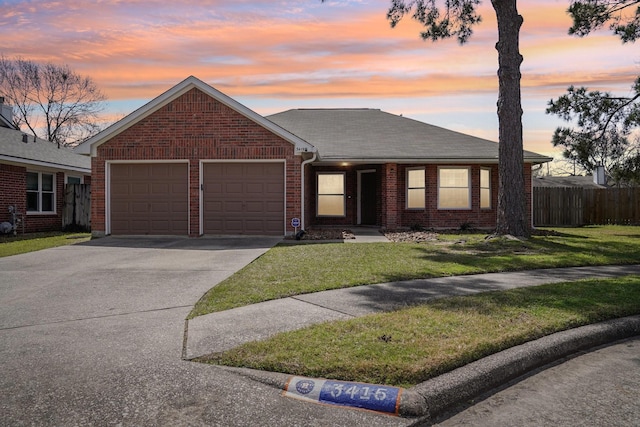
point(39, 152)
point(377, 136)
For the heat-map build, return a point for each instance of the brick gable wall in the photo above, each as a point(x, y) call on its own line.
point(194, 127)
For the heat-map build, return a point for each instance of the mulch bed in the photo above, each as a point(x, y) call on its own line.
point(411, 236)
point(326, 234)
point(345, 234)
point(392, 235)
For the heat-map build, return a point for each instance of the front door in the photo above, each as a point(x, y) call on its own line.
point(368, 201)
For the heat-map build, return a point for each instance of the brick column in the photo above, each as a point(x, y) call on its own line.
point(390, 196)
point(194, 197)
point(98, 201)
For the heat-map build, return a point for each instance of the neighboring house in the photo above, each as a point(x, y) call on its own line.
point(193, 161)
point(33, 174)
point(567, 181)
point(6, 115)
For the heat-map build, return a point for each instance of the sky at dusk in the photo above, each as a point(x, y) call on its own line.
point(275, 55)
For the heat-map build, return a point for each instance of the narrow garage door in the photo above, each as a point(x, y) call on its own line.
point(149, 198)
point(243, 198)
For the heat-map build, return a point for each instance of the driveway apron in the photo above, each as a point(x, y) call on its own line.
point(92, 334)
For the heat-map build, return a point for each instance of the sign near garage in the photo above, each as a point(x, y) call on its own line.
point(295, 222)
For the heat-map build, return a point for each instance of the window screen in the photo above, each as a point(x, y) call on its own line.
point(331, 194)
point(415, 189)
point(453, 188)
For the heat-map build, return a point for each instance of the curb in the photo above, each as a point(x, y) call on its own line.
point(432, 398)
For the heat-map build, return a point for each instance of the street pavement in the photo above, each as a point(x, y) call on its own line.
point(598, 388)
point(94, 334)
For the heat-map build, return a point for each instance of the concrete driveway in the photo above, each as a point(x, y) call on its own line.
point(92, 334)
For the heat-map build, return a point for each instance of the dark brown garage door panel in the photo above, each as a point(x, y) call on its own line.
point(149, 198)
point(243, 198)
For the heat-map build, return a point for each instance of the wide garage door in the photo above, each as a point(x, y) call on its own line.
point(150, 198)
point(243, 198)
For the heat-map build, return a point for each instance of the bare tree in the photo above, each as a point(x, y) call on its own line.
point(51, 101)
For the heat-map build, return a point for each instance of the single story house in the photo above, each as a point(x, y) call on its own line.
point(194, 161)
point(33, 175)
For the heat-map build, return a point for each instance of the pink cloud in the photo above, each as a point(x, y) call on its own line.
point(302, 50)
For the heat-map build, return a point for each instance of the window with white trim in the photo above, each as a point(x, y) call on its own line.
point(454, 188)
point(41, 194)
point(415, 188)
point(485, 188)
point(331, 194)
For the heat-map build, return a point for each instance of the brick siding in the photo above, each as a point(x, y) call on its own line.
point(391, 192)
point(194, 127)
point(13, 192)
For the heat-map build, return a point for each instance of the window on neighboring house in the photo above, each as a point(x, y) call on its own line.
point(415, 189)
point(453, 188)
point(485, 188)
point(74, 179)
point(40, 192)
point(331, 192)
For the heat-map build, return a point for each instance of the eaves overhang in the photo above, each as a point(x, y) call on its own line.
point(430, 160)
point(19, 161)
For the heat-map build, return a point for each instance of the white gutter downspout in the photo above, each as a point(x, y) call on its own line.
point(306, 162)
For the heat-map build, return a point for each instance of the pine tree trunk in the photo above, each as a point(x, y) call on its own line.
point(512, 215)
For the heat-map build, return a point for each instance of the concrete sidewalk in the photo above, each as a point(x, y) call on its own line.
point(221, 331)
point(224, 330)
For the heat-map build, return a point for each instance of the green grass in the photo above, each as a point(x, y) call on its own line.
point(408, 346)
point(288, 270)
point(10, 245)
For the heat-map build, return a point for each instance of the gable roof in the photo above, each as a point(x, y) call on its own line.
point(90, 145)
point(376, 136)
point(39, 152)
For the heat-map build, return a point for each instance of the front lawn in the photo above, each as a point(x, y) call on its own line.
point(288, 270)
point(408, 346)
point(23, 243)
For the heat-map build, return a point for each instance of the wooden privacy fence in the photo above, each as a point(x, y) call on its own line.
point(76, 215)
point(577, 206)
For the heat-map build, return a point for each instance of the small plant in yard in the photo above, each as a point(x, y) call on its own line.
point(417, 227)
point(466, 226)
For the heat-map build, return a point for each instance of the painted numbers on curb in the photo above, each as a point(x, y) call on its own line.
point(357, 395)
